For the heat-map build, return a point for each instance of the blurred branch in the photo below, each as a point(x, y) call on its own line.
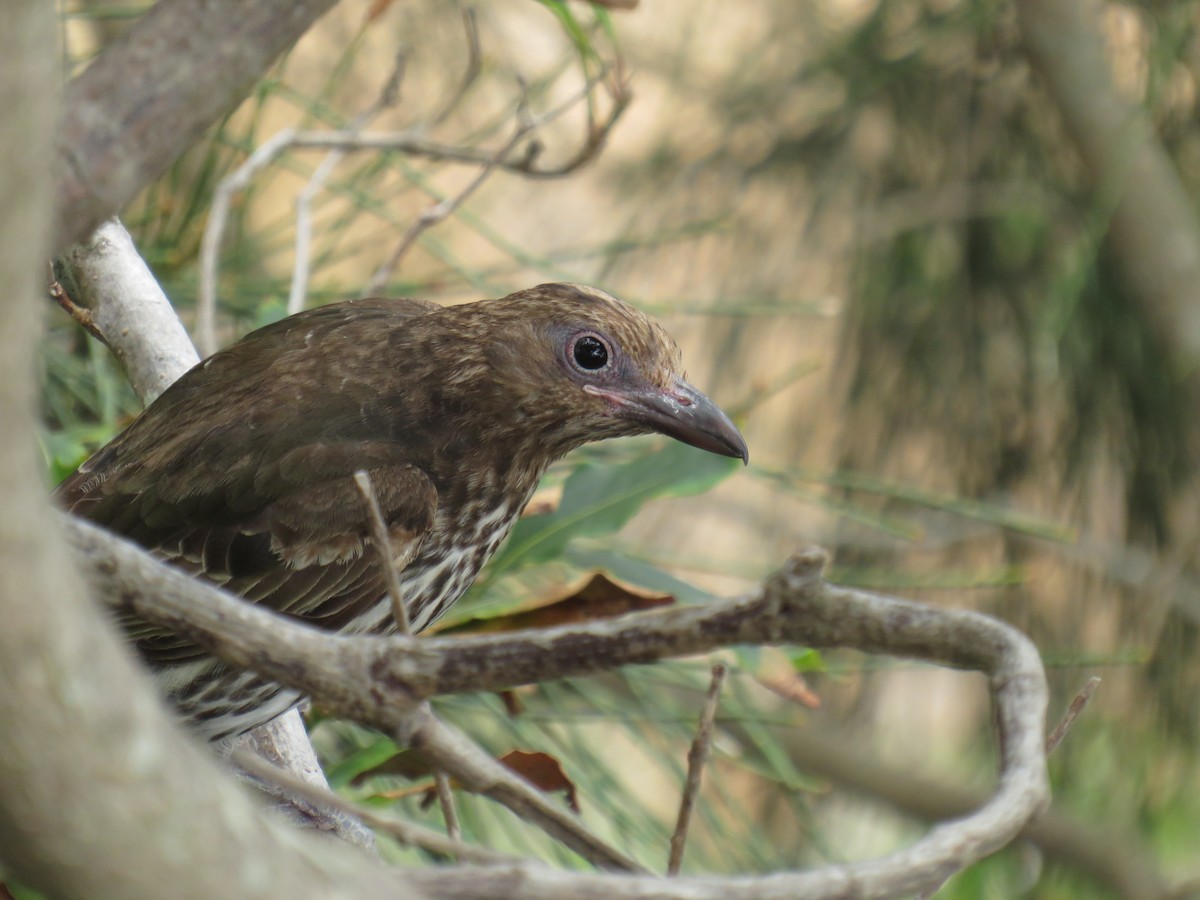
point(406, 833)
point(101, 795)
point(383, 682)
point(508, 157)
point(470, 74)
point(1077, 704)
point(697, 760)
point(1114, 859)
point(1154, 231)
point(445, 795)
point(440, 211)
point(151, 94)
point(388, 97)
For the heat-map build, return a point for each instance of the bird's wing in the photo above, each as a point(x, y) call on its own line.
point(241, 472)
point(247, 425)
point(307, 552)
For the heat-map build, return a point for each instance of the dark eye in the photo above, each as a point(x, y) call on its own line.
point(590, 353)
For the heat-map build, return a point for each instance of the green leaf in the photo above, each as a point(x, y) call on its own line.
point(599, 500)
point(808, 660)
point(364, 759)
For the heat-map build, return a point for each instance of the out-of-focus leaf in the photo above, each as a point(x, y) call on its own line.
point(637, 571)
point(408, 764)
point(598, 598)
point(352, 767)
point(808, 660)
point(540, 769)
point(793, 687)
point(543, 771)
point(600, 500)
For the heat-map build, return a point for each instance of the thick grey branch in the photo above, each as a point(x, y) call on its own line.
point(100, 795)
point(1154, 230)
point(151, 94)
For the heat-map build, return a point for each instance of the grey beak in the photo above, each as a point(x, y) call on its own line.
point(686, 414)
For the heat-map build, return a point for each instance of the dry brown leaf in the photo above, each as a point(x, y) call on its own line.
point(541, 770)
point(598, 598)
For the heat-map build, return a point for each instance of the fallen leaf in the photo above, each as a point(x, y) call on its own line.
point(598, 598)
point(541, 770)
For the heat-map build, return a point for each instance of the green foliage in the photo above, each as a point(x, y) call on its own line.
point(599, 500)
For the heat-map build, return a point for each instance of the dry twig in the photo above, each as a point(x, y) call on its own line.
point(478, 771)
point(405, 832)
point(441, 782)
point(442, 210)
point(411, 142)
point(379, 537)
point(388, 97)
point(81, 315)
point(697, 759)
point(1072, 713)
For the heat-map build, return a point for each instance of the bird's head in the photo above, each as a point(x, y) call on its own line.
point(588, 367)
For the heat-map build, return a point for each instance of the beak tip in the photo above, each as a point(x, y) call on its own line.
point(739, 450)
point(689, 416)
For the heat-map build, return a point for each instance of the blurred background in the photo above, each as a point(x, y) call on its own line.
point(877, 246)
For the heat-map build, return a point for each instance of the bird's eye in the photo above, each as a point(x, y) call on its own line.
point(590, 353)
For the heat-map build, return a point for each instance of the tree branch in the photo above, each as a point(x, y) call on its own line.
point(92, 769)
point(109, 278)
point(697, 759)
point(150, 95)
point(382, 681)
point(1154, 229)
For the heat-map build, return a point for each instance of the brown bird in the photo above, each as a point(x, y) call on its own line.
point(242, 471)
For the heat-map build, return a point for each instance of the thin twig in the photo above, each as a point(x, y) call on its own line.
point(473, 69)
point(410, 142)
point(1072, 713)
point(379, 537)
point(442, 210)
point(441, 782)
point(214, 229)
point(479, 772)
point(404, 832)
point(697, 759)
point(389, 96)
point(81, 314)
